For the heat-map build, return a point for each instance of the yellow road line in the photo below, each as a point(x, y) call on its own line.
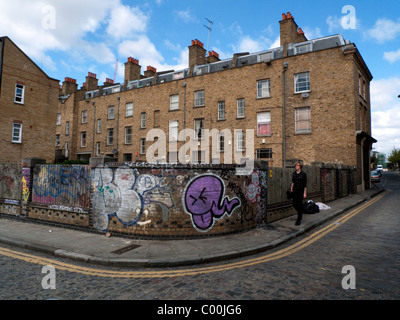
point(184, 272)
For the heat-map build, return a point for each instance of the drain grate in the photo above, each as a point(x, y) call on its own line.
point(126, 249)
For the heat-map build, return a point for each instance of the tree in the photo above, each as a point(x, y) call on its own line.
point(394, 157)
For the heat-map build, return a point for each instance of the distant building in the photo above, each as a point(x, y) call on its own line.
point(307, 100)
point(28, 106)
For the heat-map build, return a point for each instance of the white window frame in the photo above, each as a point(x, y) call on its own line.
point(129, 110)
point(173, 130)
point(19, 93)
point(221, 110)
point(199, 98)
point(240, 141)
point(265, 57)
point(111, 112)
point(17, 128)
point(307, 120)
point(263, 88)
point(110, 137)
point(241, 108)
point(98, 148)
point(268, 150)
point(66, 149)
point(303, 48)
point(59, 119)
point(98, 125)
point(174, 102)
point(128, 135)
point(198, 130)
point(263, 118)
point(142, 146)
point(84, 116)
point(221, 142)
point(143, 120)
point(57, 140)
point(83, 139)
point(306, 81)
point(67, 128)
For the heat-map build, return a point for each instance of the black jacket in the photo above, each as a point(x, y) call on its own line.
point(299, 180)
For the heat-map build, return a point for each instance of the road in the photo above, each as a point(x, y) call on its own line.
point(368, 243)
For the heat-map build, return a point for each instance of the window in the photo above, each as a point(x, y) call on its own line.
point(98, 148)
point(98, 125)
point(263, 123)
point(198, 129)
point(199, 100)
point(83, 139)
point(302, 82)
point(199, 157)
point(264, 154)
point(143, 120)
point(174, 102)
point(240, 146)
point(111, 112)
point(172, 157)
point(19, 93)
point(265, 57)
point(57, 140)
point(59, 119)
point(240, 108)
point(127, 157)
point(110, 137)
point(303, 120)
point(84, 116)
point(156, 118)
point(129, 110)
point(173, 130)
point(66, 149)
point(142, 146)
point(303, 48)
point(221, 142)
point(67, 128)
point(128, 135)
point(17, 133)
point(263, 88)
point(221, 110)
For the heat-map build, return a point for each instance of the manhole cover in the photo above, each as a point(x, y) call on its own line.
point(126, 249)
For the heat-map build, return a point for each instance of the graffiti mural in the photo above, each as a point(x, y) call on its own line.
point(10, 181)
point(61, 185)
point(204, 200)
point(253, 190)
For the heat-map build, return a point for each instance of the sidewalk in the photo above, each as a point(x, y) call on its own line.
point(99, 249)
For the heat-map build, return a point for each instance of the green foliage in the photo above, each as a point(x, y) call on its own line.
point(394, 157)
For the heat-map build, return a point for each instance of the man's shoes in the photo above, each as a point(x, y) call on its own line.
point(297, 223)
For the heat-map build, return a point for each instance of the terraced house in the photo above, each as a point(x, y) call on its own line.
point(306, 100)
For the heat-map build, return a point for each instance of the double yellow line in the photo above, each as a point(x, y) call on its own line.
point(188, 272)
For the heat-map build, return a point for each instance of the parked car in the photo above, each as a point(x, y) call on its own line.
point(379, 169)
point(375, 176)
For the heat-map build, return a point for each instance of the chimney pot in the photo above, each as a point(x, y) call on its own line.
point(284, 17)
point(300, 31)
point(289, 16)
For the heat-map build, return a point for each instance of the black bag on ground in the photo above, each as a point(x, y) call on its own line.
point(310, 207)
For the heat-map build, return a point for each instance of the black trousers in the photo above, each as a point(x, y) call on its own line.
point(298, 196)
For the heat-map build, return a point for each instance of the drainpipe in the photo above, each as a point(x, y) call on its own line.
point(1, 59)
point(94, 124)
point(119, 97)
point(184, 121)
point(285, 66)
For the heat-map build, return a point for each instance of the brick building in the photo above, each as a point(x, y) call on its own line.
point(307, 100)
point(28, 106)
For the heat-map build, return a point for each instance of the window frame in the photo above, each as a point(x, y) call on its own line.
point(173, 105)
point(297, 120)
point(58, 140)
point(221, 142)
point(173, 136)
point(98, 130)
point(201, 128)
point(109, 114)
point(241, 139)
point(128, 136)
point(268, 123)
point(243, 107)
point(19, 136)
point(221, 103)
point(110, 136)
point(266, 150)
point(296, 81)
point(199, 101)
point(83, 139)
point(98, 148)
point(129, 111)
point(84, 116)
point(67, 128)
point(19, 96)
point(58, 120)
point(142, 146)
point(143, 117)
point(261, 90)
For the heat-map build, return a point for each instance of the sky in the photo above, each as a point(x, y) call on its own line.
point(69, 38)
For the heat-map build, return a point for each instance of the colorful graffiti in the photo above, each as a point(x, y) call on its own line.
point(204, 200)
point(253, 190)
point(10, 181)
point(61, 185)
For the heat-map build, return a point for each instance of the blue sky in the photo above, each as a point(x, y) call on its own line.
point(74, 37)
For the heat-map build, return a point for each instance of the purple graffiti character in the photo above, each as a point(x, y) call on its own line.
point(204, 200)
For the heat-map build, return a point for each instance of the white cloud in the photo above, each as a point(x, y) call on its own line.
point(385, 115)
point(384, 30)
point(392, 56)
point(125, 20)
point(185, 15)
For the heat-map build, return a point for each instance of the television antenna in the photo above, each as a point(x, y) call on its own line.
point(209, 30)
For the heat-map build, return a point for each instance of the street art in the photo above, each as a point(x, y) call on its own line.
point(61, 185)
point(10, 181)
point(204, 200)
point(253, 190)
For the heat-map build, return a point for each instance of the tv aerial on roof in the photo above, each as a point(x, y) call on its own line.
point(209, 30)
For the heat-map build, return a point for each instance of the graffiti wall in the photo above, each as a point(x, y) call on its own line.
point(176, 202)
point(10, 181)
point(61, 186)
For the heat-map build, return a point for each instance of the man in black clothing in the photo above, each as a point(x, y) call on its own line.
point(299, 189)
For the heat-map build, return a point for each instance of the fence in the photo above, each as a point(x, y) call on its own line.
point(161, 201)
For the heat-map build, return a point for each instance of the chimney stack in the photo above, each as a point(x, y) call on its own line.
point(91, 82)
point(212, 57)
point(290, 32)
point(150, 72)
point(69, 86)
point(132, 70)
point(197, 55)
